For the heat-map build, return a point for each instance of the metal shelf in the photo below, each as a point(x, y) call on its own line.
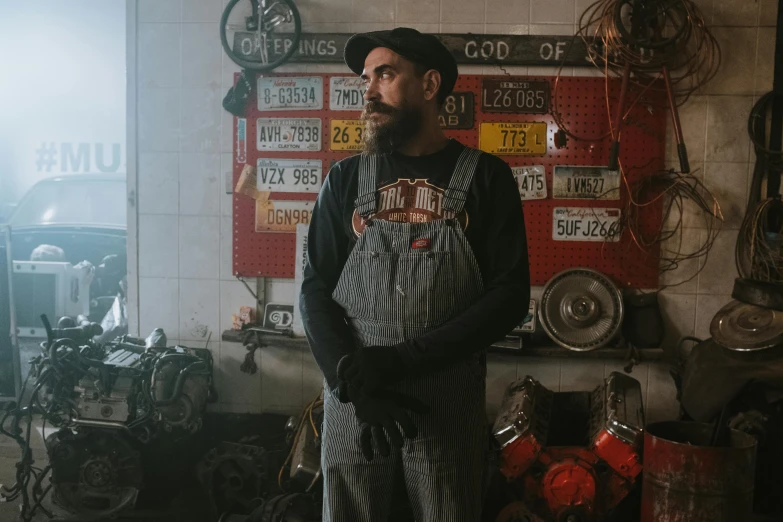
point(502, 347)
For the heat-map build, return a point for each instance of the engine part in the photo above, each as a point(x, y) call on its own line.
point(747, 328)
point(286, 508)
point(766, 294)
point(235, 476)
point(581, 309)
point(95, 473)
point(575, 455)
point(687, 479)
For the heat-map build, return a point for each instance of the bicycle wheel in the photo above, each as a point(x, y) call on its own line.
point(260, 34)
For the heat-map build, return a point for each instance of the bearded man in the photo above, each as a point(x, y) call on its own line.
point(417, 262)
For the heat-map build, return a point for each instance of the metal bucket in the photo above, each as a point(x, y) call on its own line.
point(687, 480)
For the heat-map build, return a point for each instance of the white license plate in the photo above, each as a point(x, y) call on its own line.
point(303, 93)
point(346, 93)
point(585, 224)
point(284, 175)
point(288, 134)
point(531, 182)
point(282, 216)
point(570, 182)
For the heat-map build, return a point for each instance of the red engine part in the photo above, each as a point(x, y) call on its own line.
point(577, 454)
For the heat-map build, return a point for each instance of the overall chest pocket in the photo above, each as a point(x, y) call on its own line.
point(367, 286)
point(424, 282)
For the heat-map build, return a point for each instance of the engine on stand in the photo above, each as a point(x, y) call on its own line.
point(114, 404)
point(569, 456)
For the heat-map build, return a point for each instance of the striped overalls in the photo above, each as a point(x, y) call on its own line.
point(392, 292)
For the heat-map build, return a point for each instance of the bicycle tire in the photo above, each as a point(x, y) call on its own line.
point(251, 64)
point(646, 42)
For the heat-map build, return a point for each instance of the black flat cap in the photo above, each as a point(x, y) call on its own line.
point(424, 49)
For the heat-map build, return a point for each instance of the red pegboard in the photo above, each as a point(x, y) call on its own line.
point(582, 104)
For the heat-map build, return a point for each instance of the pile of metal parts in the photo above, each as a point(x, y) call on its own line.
point(569, 456)
point(112, 402)
point(735, 380)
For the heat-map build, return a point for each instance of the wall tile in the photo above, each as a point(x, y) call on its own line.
point(693, 122)
point(735, 13)
point(365, 27)
point(765, 60)
point(424, 28)
point(325, 10)
point(228, 69)
point(683, 279)
point(202, 60)
point(326, 27)
point(200, 184)
point(158, 55)
point(281, 369)
point(580, 374)
point(505, 11)
point(461, 11)
point(727, 135)
point(233, 295)
point(158, 181)
point(501, 28)
point(501, 371)
point(719, 271)
point(768, 13)
point(737, 66)
point(199, 237)
point(417, 11)
point(159, 10)
point(235, 386)
point(706, 308)
point(160, 306)
point(679, 316)
point(728, 183)
point(226, 248)
point(545, 371)
point(199, 309)
point(227, 132)
point(553, 12)
point(280, 291)
point(473, 28)
point(705, 7)
point(662, 401)
point(158, 246)
point(201, 10)
point(200, 121)
point(226, 171)
point(373, 11)
point(158, 120)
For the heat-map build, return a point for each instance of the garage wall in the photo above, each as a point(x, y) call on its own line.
point(184, 152)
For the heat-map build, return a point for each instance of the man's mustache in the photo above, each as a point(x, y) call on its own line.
point(372, 107)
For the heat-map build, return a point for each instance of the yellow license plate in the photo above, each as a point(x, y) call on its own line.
point(525, 139)
point(346, 134)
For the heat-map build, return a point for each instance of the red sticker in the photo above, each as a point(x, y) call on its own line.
point(421, 243)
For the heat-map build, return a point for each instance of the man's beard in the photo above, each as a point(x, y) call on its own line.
point(384, 137)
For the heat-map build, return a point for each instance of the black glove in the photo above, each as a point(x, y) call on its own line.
point(372, 367)
point(379, 414)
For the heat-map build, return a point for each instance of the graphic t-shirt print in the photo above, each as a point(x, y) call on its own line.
point(410, 201)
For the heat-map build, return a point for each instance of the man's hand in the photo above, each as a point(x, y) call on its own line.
point(372, 368)
point(379, 414)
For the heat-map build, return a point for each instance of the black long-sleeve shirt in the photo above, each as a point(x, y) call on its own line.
point(494, 226)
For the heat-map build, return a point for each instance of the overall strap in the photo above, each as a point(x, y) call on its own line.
point(366, 201)
point(457, 191)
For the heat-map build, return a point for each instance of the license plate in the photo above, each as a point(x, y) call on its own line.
point(301, 93)
point(346, 93)
point(585, 183)
point(288, 134)
point(519, 97)
point(524, 139)
point(282, 216)
point(346, 134)
point(585, 224)
point(283, 175)
point(531, 182)
point(457, 111)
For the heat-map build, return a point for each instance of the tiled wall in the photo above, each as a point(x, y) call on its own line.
point(184, 150)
